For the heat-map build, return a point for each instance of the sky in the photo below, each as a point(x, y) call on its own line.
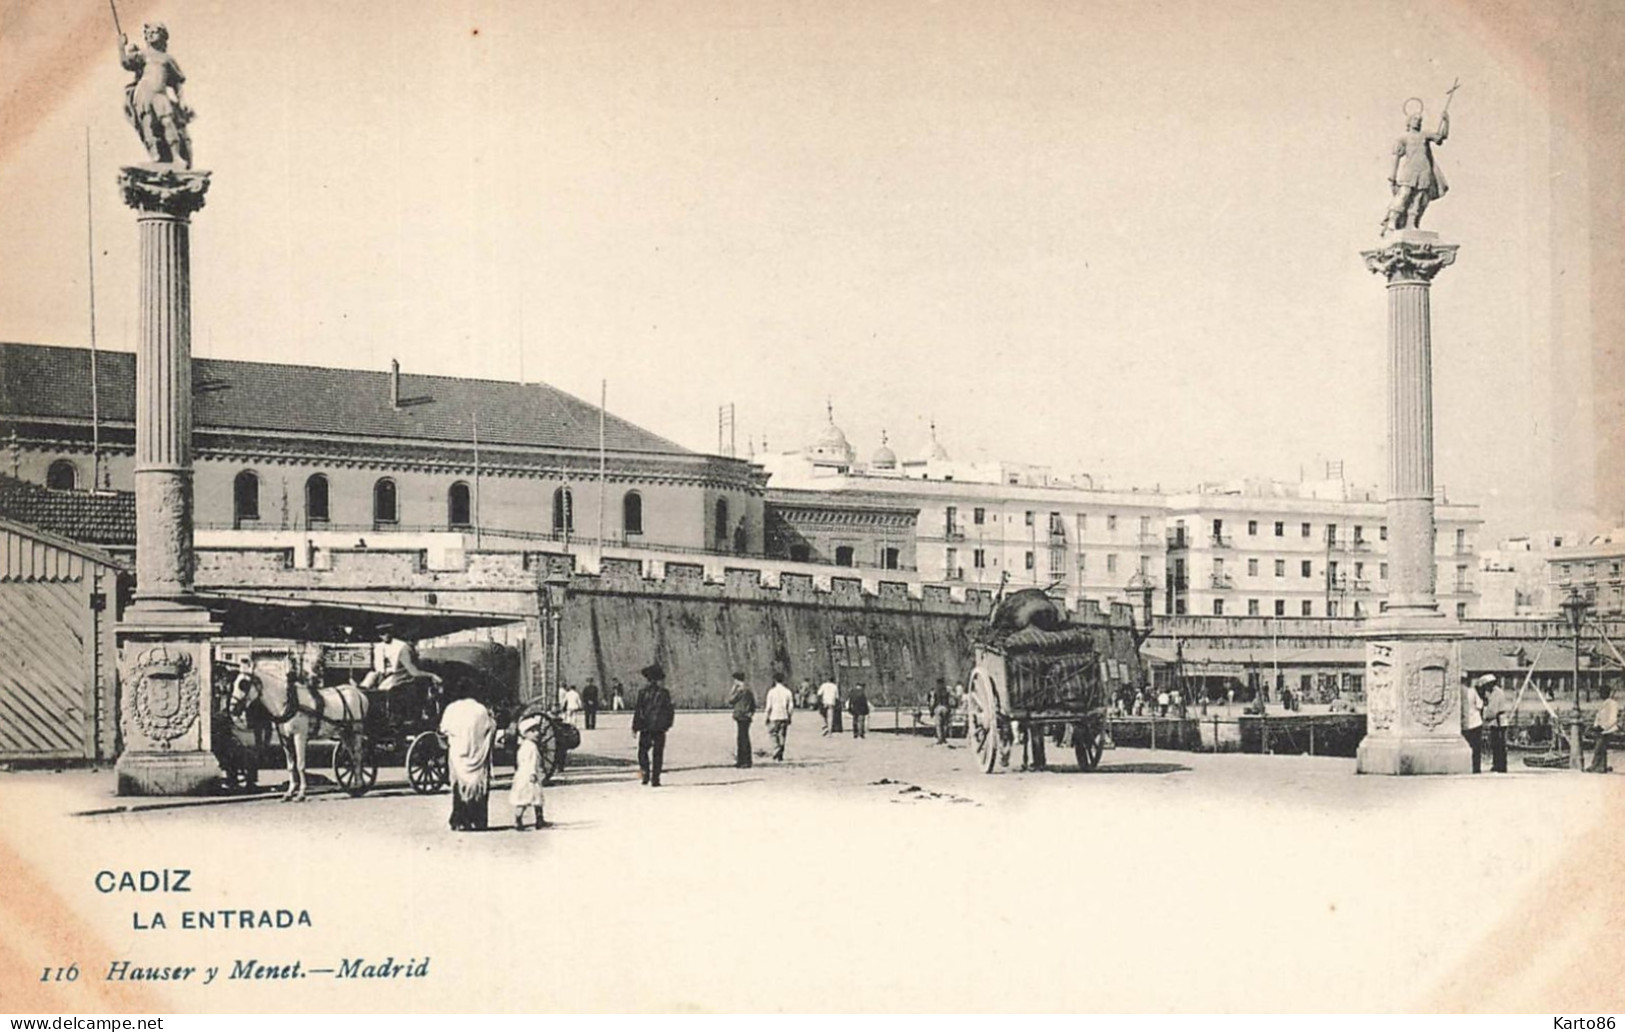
point(1114, 238)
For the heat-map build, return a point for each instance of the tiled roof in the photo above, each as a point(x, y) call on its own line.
point(45, 382)
point(106, 518)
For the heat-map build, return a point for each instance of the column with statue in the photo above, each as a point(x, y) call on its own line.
point(165, 637)
point(1413, 673)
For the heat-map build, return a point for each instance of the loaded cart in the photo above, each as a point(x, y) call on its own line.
point(1035, 674)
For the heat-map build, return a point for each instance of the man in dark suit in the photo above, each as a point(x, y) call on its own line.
point(589, 702)
point(651, 719)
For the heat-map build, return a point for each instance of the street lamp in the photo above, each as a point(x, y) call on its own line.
point(1141, 586)
point(1574, 607)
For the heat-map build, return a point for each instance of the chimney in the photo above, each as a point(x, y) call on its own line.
point(394, 383)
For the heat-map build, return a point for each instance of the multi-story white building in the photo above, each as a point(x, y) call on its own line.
point(1315, 549)
point(1595, 568)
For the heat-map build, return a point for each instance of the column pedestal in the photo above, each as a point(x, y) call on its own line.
point(1413, 699)
point(165, 639)
point(166, 692)
point(1413, 675)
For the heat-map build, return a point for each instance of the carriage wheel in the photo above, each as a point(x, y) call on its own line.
point(984, 724)
point(1088, 743)
point(552, 751)
point(354, 769)
point(426, 763)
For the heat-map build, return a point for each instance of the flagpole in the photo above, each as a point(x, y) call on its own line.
point(476, 418)
point(603, 399)
point(95, 400)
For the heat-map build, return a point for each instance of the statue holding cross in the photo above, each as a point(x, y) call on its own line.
point(1416, 179)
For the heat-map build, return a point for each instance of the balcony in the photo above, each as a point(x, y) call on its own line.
point(1151, 540)
point(953, 532)
point(1362, 585)
point(1221, 581)
point(1219, 541)
point(1360, 545)
point(956, 574)
point(1177, 539)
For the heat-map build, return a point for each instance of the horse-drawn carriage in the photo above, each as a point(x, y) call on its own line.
point(1035, 674)
point(313, 693)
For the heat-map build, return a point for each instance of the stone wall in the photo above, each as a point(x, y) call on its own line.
point(615, 623)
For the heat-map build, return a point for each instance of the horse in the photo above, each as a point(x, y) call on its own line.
point(301, 713)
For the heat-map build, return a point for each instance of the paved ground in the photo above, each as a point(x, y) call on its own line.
point(881, 874)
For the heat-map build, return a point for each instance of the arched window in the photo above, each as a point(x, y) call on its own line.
point(632, 513)
point(245, 497)
point(316, 507)
point(564, 517)
point(843, 555)
point(62, 476)
point(722, 524)
point(384, 508)
point(458, 509)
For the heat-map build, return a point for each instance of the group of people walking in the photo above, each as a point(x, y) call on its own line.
point(779, 707)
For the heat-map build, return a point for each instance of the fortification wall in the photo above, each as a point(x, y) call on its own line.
point(616, 622)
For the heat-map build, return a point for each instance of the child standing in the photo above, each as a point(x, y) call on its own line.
point(527, 774)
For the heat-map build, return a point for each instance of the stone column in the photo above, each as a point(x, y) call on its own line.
point(165, 654)
point(1413, 675)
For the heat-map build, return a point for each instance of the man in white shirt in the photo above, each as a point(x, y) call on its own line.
point(779, 709)
point(572, 704)
point(829, 700)
point(1606, 722)
point(1472, 723)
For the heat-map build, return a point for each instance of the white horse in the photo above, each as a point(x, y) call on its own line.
point(301, 713)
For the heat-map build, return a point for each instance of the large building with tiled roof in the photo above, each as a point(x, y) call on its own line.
point(302, 447)
point(105, 518)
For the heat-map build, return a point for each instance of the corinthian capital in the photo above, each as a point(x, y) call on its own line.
point(168, 189)
point(1405, 261)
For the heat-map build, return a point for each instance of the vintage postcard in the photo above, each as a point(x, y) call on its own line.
point(899, 506)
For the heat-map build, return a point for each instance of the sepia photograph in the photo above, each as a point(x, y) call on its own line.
point(812, 506)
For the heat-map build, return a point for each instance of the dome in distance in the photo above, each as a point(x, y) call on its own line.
point(831, 447)
point(884, 457)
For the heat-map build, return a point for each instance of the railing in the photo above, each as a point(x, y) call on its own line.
point(1149, 539)
point(1221, 581)
point(1219, 540)
point(1360, 545)
point(631, 542)
point(1362, 585)
point(953, 534)
point(1177, 539)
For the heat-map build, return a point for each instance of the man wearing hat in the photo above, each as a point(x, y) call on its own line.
point(1496, 711)
point(1472, 721)
point(651, 719)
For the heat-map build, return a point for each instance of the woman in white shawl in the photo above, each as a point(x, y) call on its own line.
point(470, 732)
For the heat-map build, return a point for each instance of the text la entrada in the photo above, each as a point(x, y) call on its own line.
point(193, 920)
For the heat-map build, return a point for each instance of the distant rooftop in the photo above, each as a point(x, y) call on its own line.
point(47, 382)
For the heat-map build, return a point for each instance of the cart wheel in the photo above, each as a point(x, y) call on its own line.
point(426, 763)
point(984, 724)
point(1088, 743)
point(552, 750)
point(353, 767)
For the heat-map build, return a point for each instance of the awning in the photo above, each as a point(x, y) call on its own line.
point(1200, 657)
point(300, 620)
